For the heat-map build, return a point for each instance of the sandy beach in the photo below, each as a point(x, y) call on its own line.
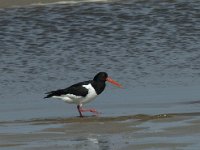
point(141, 132)
point(24, 3)
point(19, 3)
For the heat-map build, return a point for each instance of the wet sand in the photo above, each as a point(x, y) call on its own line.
point(164, 131)
point(17, 3)
point(21, 3)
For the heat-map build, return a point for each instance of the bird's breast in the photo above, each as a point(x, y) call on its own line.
point(91, 94)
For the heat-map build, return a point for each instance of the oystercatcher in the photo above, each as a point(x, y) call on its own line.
point(83, 92)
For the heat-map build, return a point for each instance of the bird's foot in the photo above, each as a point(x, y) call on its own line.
point(92, 110)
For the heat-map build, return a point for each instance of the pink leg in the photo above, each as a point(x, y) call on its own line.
point(89, 110)
point(80, 110)
point(78, 107)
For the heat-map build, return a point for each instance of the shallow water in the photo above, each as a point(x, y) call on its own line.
point(150, 47)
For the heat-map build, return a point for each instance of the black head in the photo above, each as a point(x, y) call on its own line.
point(101, 76)
point(99, 82)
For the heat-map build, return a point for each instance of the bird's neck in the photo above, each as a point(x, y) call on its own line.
point(99, 86)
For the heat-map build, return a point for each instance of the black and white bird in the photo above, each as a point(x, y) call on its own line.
point(83, 92)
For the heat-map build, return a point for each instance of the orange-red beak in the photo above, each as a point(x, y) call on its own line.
point(113, 82)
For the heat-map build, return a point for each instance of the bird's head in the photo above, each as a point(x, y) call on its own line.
point(103, 77)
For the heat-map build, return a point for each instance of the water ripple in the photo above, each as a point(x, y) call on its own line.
point(140, 43)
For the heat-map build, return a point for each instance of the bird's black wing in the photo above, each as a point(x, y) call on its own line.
point(76, 89)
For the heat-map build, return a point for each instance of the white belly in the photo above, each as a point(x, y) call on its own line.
point(70, 98)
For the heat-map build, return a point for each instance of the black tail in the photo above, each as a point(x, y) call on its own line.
point(49, 94)
point(54, 93)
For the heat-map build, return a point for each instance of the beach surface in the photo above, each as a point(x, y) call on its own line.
point(21, 3)
point(141, 132)
point(25, 3)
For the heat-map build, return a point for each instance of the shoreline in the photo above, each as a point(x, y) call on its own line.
point(97, 132)
point(23, 3)
point(90, 119)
